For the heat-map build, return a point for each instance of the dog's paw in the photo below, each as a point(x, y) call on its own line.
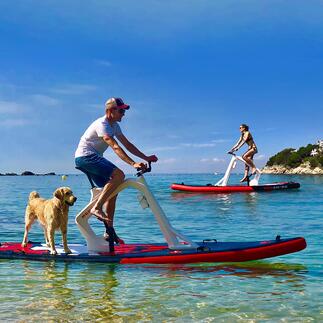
point(24, 244)
point(53, 252)
point(67, 251)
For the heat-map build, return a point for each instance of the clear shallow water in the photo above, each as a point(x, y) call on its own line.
point(287, 288)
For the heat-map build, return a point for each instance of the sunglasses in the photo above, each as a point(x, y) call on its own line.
point(121, 111)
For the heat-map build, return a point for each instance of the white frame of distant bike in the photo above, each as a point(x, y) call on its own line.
point(96, 243)
point(224, 180)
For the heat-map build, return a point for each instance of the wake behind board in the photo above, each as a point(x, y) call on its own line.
point(208, 251)
point(234, 188)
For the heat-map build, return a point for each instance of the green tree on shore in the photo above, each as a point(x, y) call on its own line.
point(292, 158)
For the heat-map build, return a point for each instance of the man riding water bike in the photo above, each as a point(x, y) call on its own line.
point(89, 156)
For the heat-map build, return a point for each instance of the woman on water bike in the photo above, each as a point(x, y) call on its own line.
point(246, 137)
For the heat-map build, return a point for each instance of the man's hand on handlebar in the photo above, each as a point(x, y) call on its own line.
point(140, 166)
point(144, 168)
point(152, 158)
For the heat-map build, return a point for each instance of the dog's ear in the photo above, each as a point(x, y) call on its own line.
point(59, 193)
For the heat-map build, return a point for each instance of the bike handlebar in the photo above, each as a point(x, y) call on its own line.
point(143, 171)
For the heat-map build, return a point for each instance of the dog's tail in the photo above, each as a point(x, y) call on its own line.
point(33, 195)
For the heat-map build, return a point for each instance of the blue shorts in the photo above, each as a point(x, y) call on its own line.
point(99, 168)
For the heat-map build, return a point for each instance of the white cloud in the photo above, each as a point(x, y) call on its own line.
point(212, 160)
point(260, 157)
point(181, 146)
point(198, 145)
point(218, 160)
point(172, 136)
point(103, 62)
point(45, 100)
point(96, 106)
point(74, 89)
point(167, 161)
point(270, 129)
point(10, 107)
point(163, 148)
point(14, 122)
point(219, 141)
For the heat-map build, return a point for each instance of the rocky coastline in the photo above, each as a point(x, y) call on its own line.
point(303, 169)
point(27, 173)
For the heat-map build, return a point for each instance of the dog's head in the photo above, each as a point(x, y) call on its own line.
point(65, 194)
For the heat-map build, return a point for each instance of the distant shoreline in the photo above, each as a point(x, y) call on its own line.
point(306, 160)
point(28, 173)
point(303, 169)
point(265, 171)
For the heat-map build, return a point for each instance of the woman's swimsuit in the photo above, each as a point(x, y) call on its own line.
point(249, 141)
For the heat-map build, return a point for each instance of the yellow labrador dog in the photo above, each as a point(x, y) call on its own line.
point(52, 215)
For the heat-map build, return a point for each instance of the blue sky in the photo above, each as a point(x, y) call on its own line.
point(192, 71)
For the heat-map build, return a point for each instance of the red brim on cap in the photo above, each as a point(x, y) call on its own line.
point(124, 106)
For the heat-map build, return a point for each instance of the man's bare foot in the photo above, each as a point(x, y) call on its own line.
point(117, 239)
point(99, 214)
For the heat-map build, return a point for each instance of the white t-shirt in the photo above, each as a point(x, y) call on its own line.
point(92, 141)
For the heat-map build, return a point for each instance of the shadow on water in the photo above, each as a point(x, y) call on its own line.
point(247, 202)
point(177, 196)
point(224, 197)
point(52, 269)
point(53, 289)
point(225, 200)
point(247, 269)
point(94, 291)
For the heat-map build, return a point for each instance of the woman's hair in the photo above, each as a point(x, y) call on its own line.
point(245, 126)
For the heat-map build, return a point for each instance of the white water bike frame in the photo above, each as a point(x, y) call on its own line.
point(95, 243)
point(224, 180)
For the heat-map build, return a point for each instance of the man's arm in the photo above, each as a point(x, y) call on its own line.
point(120, 152)
point(134, 150)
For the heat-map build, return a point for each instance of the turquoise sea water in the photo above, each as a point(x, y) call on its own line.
point(286, 289)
